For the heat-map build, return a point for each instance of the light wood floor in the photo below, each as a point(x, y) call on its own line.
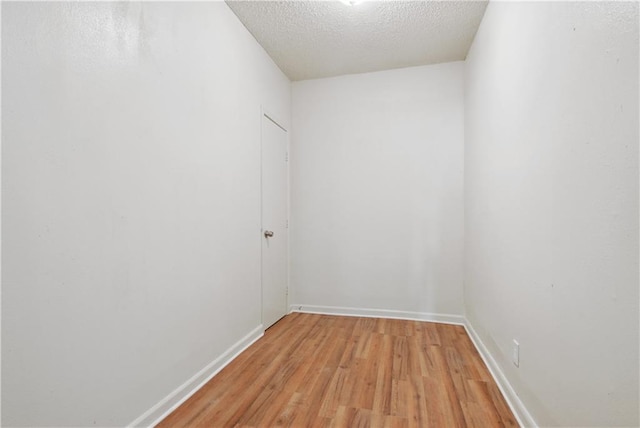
point(319, 370)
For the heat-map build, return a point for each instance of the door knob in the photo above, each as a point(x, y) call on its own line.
point(268, 234)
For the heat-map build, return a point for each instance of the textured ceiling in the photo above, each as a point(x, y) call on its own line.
point(314, 39)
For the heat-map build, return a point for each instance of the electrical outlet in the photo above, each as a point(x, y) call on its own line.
point(515, 353)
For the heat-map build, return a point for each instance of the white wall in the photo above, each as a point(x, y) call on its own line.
point(377, 190)
point(551, 197)
point(131, 202)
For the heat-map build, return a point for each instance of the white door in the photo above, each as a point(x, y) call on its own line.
point(274, 222)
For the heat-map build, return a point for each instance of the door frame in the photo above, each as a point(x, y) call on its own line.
point(268, 114)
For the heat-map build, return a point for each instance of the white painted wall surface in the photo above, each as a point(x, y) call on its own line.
point(551, 197)
point(131, 202)
point(377, 190)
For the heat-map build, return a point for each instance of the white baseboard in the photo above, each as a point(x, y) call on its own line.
point(379, 313)
point(157, 413)
point(517, 406)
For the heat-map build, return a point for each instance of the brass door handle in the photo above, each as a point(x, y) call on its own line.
point(268, 234)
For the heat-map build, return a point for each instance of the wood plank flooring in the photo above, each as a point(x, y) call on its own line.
point(332, 371)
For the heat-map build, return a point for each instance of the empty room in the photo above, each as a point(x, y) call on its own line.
point(320, 213)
